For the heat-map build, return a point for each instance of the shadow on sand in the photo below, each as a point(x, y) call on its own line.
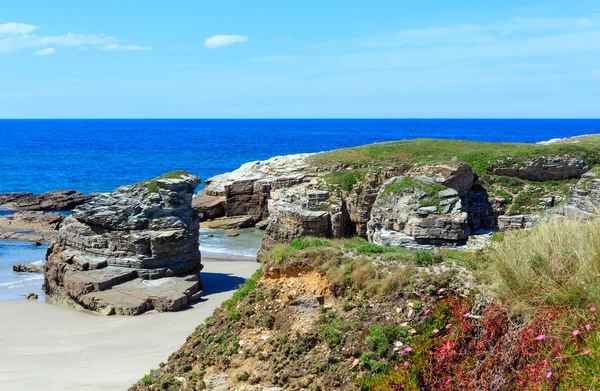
point(219, 282)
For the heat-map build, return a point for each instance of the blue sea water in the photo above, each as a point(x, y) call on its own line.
point(100, 155)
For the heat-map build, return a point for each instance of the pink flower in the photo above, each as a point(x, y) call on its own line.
point(396, 368)
point(408, 350)
point(592, 309)
point(540, 337)
point(467, 315)
point(427, 311)
point(448, 381)
point(586, 352)
point(405, 363)
point(431, 352)
point(435, 331)
point(588, 327)
point(402, 352)
point(448, 325)
point(521, 382)
point(575, 333)
point(548, 374)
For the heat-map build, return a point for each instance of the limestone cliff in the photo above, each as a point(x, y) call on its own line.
point(129, 251)
point(413, 193)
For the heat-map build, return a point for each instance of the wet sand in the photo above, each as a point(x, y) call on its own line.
point(51, 347)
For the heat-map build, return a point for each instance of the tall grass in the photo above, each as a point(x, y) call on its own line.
point(556, 263)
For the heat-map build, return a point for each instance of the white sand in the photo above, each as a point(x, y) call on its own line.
point(49, 347)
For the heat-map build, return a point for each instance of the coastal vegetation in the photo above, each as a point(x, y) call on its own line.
point(345, 314)
point(483, 157)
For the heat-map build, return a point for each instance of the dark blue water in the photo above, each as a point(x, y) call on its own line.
point(100, 155)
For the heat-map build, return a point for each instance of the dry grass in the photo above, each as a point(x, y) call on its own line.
point(554, 263)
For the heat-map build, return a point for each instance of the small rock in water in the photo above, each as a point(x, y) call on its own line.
point(232, 232)
point(31, 296)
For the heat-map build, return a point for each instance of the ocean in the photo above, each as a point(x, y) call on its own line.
point(101, 155)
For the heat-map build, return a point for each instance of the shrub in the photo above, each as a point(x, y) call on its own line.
point(428, 257)
point(148, 379)
point(557, 262)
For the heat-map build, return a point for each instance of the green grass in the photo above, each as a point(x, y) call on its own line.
point(556, 263)
point(347, 179)
point(153, 187)
point(148, 379)
point(482, 157)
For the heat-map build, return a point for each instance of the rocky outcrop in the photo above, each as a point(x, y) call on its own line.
point(31, 226)
point(129, 251)
point(28, 268)
point(412, 211)
point(516, 222)
point(418, 208)
point(584, 200)
point(544, 169)
point(298, 211)
point(247, 190)
point(52, 200)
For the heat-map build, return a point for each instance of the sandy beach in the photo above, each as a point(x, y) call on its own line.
point(50, 347)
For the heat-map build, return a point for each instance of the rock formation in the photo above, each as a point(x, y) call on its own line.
point(584, 201)
point(129, 251)
point(28, 268)
point(398, 194)
point(544, 169)
point(52, 200)
point(239, 199)
point(31, 226)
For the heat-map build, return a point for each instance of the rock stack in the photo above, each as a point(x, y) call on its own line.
point(130, 251)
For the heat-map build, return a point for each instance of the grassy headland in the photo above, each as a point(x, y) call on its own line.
point(346, 314)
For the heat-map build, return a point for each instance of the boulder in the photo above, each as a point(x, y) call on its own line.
point(453, 175)
point(31, 296)
point(109, 249)
point(52, 200)
point(28, 268)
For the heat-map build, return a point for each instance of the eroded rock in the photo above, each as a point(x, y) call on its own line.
point(110, 251)
point(52, 200)
point(247, 190)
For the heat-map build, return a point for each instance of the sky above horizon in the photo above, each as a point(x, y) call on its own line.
point(309, 59)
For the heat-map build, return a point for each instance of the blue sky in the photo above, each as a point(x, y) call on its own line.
point(296, 59)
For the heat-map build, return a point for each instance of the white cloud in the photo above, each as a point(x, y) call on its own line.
point(17, 28)
point(45, 52)
point(124, 48)
point(219, 41)
point(17, 36)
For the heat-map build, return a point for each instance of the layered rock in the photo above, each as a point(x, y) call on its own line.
point(52, 200)
point(544, 169)
point(584, 201)
point(129, 251)
point(28, 268)
point(31, 226)
point(412, 211)
point(246, 191)
point(419, 208)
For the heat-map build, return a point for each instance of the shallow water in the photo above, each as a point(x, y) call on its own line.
point(16, 285)
point(213, 244)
